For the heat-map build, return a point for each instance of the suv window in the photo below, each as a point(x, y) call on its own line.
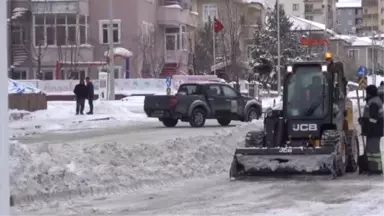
point(228, 92)
point(214, 90)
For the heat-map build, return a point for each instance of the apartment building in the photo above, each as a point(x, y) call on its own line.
point(321, 11)
point(372, 16)
point(291, 7)
point(349, 18)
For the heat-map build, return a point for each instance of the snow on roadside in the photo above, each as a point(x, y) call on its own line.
point(38, 169)
point(60, 115)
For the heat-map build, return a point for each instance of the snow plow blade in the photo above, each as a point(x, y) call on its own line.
point(282, 161)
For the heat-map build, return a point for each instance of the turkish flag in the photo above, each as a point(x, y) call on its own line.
point(218, 25)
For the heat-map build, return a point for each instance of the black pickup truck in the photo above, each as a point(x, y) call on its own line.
point(196, 102)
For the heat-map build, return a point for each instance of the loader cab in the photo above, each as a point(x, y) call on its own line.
point(311, 101)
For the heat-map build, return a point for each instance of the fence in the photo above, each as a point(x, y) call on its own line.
point(27, 102)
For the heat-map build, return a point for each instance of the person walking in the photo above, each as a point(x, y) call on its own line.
point(91, 94)
point(372, 127)
point(81, 94)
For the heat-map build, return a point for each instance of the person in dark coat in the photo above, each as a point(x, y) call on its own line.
point(81, 94)
point(381, 91)
point(91, 94)
point(372, 127)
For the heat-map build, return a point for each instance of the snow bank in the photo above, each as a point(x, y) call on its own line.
point(43, 169)
point(60, 115)
point(15, 87)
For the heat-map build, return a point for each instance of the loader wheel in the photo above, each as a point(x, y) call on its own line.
point(352, 151)
point(339, 140)
point(169, 122)
point(254, 139)
point(224, 121)
point(330, 138)
point(197, 118)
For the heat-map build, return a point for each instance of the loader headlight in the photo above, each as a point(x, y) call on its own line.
point(289, 69)
point(324, 68)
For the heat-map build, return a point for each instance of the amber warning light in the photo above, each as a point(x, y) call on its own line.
point(311, 42)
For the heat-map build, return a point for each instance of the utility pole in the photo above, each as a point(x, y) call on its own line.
point(4, 137)
point(111, 74)
point(278, 50)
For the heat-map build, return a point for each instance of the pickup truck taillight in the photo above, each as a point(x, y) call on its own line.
point(173, 102)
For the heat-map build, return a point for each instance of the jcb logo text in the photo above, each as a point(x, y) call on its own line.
point(304, 127)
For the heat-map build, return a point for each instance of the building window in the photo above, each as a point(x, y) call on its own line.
point(309, 17)
point(117, 72)
point(295, 7)
point(18, 35)
point(353, 53)
point(60, 29)
point(350, 12)
point(308, 8)
point(209, 12)
point(349, 22)
point(249, 51)
point(176, 38)
point(116, 31)
point(19, 75)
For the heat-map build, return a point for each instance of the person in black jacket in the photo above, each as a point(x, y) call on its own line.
point(372, 127)
point(81, 94)
point(91, 94)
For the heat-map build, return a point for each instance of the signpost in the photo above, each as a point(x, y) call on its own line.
point(168, 83)
point(103, 86)
point(362, 71)
point(4, 137)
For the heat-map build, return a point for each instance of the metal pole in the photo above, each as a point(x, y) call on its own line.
point(111, 74)
point(373, 58)
point(214, 47)
point(278, 50)
point(4, 137)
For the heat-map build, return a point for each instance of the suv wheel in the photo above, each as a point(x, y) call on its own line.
point(197, 118)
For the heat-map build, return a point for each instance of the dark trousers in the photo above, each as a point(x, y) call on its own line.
point(90, 103)
point(80, 105)
point(373, 154)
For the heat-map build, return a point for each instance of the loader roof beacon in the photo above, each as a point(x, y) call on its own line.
point(313, 133)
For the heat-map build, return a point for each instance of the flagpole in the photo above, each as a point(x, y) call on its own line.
point(214, 46)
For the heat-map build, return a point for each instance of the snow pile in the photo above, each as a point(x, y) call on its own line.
point(38, 169)
point(135, 104)
point(21, 88)
point(60, 116)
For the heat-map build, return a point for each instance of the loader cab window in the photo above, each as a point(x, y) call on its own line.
point(307, 93)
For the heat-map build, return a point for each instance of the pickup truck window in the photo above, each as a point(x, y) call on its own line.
point(190, 89)
point(228, 92)
point(214, 90)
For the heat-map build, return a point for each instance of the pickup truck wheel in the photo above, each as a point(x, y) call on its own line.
point(252, 114)
point(197, 118)
point(169, 122)
point(224, 121)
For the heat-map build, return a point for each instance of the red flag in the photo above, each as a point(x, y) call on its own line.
point(218, 25)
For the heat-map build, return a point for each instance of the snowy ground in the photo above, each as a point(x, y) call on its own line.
point(132, 165)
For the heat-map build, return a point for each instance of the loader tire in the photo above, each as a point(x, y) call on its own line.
point(169, 122)
point(353, 151)
point(197, 118)
point(224, 121)
point(254, 139)
point(338, 140)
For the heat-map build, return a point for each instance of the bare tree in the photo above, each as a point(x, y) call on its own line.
point(36, 51)
point(150, 48)
point(232, 16)
point(70, 54)
point(203, 49)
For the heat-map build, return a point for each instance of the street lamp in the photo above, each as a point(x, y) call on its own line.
point(111, 74)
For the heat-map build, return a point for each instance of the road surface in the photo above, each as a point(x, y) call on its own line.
point(137, 132)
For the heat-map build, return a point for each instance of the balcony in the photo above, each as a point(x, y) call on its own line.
point(314, 11)
point(174, 15)
point(62, 6)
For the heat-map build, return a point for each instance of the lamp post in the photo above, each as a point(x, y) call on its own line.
point(111, 74)
point(278, 50)
point(4, 137)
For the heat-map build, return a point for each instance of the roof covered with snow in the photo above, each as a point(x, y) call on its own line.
point(308, 25)
point(120, 51)
point(359, 41)
point(262, 2)
point(349, 4)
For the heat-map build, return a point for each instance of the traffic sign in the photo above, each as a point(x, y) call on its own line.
point(168, 81)
point(362, 71)
point(363, 83)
